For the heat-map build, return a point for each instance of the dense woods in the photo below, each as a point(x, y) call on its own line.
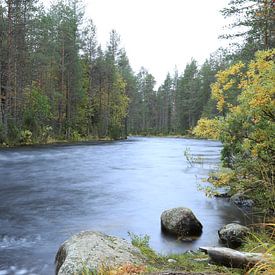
point(58, 83)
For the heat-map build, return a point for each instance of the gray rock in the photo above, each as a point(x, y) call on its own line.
point(180, 222)
point(242, 200)
point(233, 234)
point(93, 250)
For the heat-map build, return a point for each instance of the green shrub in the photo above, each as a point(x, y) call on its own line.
point(26, 137)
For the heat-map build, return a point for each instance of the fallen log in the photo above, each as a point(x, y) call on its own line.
point(233, 258)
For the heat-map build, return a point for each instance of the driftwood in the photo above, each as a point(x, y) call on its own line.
point(233, 258)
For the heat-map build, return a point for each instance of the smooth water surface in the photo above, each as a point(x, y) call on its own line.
point(48, 193)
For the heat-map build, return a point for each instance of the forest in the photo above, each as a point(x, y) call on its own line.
point(58, 83)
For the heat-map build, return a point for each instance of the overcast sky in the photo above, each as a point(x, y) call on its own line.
point(160, 34)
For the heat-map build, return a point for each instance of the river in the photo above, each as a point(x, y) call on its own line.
point(48, 193)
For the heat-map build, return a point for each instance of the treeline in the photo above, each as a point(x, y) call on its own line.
point(57, 82)
point(178, 103)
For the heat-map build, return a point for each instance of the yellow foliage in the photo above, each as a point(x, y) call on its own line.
point(258, 84)
point(226, 80)
point(223, 178)
point(257, 100)
point(247, 130)
point(207, 128)
point(246, 98)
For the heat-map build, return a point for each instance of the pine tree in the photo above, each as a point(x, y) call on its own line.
point(254, 22)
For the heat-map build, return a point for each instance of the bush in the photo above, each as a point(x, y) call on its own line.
point(36, 111)
point(248, 126)
point(207, 128)
point(26, 137)
point(46, 133)
point(75, 136)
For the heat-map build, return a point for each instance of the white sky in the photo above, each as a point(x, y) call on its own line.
point(160, 34)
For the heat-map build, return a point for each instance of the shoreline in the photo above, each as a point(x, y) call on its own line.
point(91, 140)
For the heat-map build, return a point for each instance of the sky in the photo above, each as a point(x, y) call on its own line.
point(160, 35)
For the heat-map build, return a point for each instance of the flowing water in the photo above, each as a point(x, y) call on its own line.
point(48, 193)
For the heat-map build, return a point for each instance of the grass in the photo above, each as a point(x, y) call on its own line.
point(262, 241)
point(185, 262)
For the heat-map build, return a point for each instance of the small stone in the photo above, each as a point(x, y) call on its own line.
point(171, 261)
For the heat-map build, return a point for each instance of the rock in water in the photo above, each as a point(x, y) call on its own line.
point(93, 250)
point(180, 222)
point(233, 234)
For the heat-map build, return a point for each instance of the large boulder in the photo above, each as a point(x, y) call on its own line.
point(93, 250)
point(180, 222)
point(233, 234)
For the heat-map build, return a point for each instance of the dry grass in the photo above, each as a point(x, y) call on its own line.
point(266, 245)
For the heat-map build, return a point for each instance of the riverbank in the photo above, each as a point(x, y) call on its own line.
point(259, 240)
point(91, 253)
point(82, 140)
point(147, 261)
point(166, 136)
point(79, 141)
point(196, 262)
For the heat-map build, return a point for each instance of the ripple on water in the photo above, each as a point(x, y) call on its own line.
point(10, 242)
